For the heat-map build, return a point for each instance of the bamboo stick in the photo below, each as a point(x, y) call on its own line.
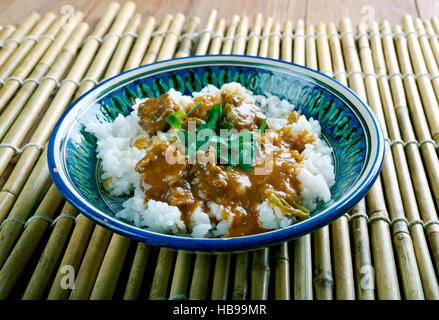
point(205, 37)
point(200, 277)
point(20, 68)
point(32, 190)
point(364, 271)
point(299, 43)
point(260, 275)
point(72, 257)
point(435, 23)
point(180, 279)
point(159, 286)
point(221, 277)
point(418, 172)
point(157, 40)
point(22, 30)
point(20, 255)
point(230, 34)
point(323, 281)
point(5, 33)
point(434, 43)
point(282, 273)
point(274, 42)
point(109, 272)
point(263, 46)
point(125, 44)
point(419, 244)
point(253, 42)
point(344, 278)
point(137, 272)
point(287, 41)
point(310, 48)
point(141, 44)
point(240, 282)
point(90, 264)
point(185, 47)
point(241, 36)
point(170, 43)
point(49, 258)
point(303, 269)
point(215, 44)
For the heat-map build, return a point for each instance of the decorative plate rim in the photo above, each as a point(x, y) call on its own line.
point(219, 244)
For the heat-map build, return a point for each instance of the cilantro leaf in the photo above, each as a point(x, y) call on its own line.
point(235, 150)
point(175, 119)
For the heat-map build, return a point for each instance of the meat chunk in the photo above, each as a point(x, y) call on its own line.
point(163, 179)
point(207, 181)
point(241, 112)
point(153, 113)
point(207, 102)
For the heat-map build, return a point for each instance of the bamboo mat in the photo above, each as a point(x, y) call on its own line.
point(387, 247)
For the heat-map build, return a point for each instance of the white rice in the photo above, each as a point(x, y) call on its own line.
point(116, 152)
point(119, 157)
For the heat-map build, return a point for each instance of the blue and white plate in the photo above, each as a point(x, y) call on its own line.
point(348, 126)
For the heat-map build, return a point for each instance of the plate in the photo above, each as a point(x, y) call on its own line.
point(348, 126)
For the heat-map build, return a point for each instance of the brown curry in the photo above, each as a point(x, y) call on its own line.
point(188, 185)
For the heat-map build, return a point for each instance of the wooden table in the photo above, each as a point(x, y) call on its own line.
point(311, 11)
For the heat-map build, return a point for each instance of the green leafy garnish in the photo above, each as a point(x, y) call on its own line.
point(263, 125)
point(235, 150)
point(175, 119)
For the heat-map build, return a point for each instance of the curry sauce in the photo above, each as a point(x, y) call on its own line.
point(189, 185)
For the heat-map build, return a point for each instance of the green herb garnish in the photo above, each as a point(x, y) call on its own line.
point(235, 150)
point(175, 119)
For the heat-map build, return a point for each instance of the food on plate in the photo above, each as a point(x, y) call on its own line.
point(220, 163)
